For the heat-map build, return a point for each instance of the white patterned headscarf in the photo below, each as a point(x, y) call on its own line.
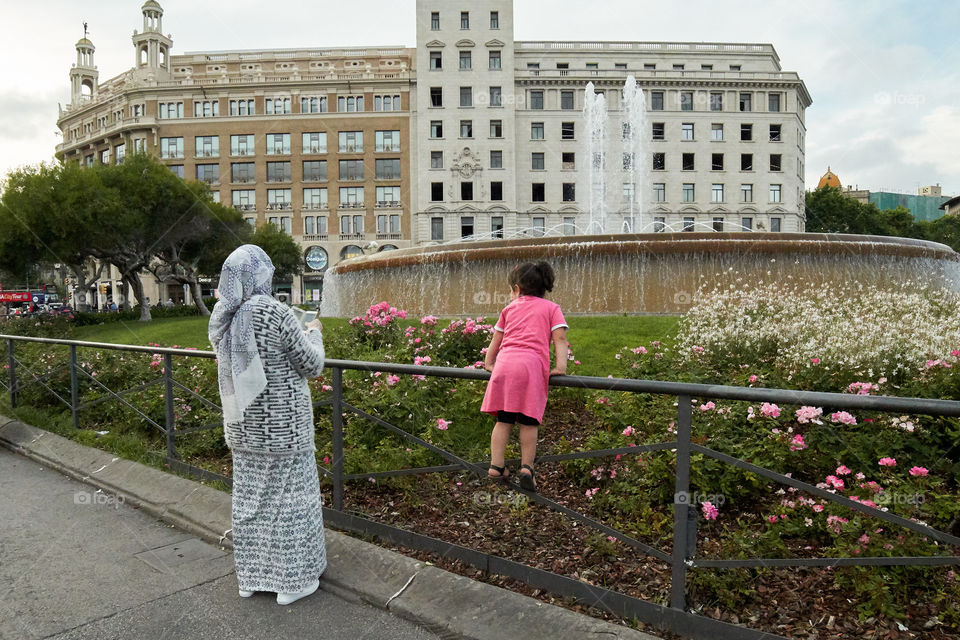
point(246, 276)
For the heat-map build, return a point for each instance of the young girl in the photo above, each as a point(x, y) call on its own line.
point(519, 358)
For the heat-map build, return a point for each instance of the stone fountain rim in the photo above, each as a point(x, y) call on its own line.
point(652, 243)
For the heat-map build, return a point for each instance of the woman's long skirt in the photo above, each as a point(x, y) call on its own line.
point(278, 541)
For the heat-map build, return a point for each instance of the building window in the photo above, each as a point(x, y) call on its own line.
point(775, 162)
point(539, 226)
point(137, 110)
point(314, 170)
point(435, 21)
point(746, 224)
point(656, 100)
point(276, 106)
point(496, 227)
point(177, 170)
point(495, 97)
point(569, 226)
point(567, 100)
point(746, 132)
point(686, 131)
point(569, 192)
point(466, 60)
point(464, 19)
point(689, 192)
point(496, 191)
point(314, 104)
point(688, 224)
point(568, 131)
point(687, 163)
point(466, 191)
point(775, 193)
point(718, 225)
point(170, 110)
point(659, 161)
point(242, 107)
point(775, 132)
point(735, 67)
point(466, 128)
point(278, 172)
point(436, 191)
point(773, 102)
point(350, 141)
point(314, 142)
point(716, 162)
point(245, 199)
point(536, 131)
point(538, 192)
point(494, 61)
point(171, 148)
point(388, 141)
point(659, 192)
point(466, 96)
point(776, 224)
point(351, 197)
point(746, 102)
point(387, 103)
point(436, 159)
point(628, 159)
point(494, 19)
point(120, 151)
point(351, 225)
point(537, 162)
point(678, 67)
point(716, 193)
point(536, 100)
point(659, 224)
point(659, 131)
point(315, 198)
point(436, 60)
point(278, 143)
point(436, 128)
point(351, 170)
point(388, 169)
point(278, 198)
point(496, 128)
point(436, 228)
point(568, 161)
point(716, 101)
point(496, 159)
point(388, 196)
point(243, 172)
point(350, 104)
point(629, 192)
point(139, 145)
point(746, 193)
point(746, 162)
point(206, 109)
point(716, 132)
point(436, 96)
point(207, 146)
point(686, 100)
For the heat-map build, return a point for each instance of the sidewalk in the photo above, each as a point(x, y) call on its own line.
point(94, 546)
point(76, 564)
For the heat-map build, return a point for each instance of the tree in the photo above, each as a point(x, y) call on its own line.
point(829, 211)
point(285, 253)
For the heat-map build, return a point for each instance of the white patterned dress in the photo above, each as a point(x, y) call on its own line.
point(278, 536)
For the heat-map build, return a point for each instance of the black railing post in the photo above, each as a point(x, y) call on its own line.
point(171, 418)
point(74, 391)
point(337, 420)
point(682, 503)
point(12, 363)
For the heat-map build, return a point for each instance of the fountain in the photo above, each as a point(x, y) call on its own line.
point(625, 272)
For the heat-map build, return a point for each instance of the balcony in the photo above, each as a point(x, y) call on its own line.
point(208, 154)
point(388, 148)
point(242, 152)
point(388, 204)
point(314, 149)
point(322, 237)
point(351, 205)
point(351, 148)
point(346, 237)
point(315, 206)
point(280, 206)
point(389, 236)
point(243, 179)
point(245, 207)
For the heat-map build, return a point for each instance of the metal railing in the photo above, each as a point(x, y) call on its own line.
point(682, 558)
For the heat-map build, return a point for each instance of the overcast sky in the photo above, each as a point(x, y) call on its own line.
point(883, 74)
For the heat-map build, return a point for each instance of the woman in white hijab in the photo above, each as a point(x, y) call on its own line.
point(264, 359)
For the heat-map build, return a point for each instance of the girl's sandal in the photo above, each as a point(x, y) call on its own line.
point(526, 480)
point(502, 473)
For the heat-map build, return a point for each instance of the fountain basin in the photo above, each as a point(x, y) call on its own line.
point(656, 273)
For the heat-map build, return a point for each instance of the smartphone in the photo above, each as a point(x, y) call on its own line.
point(303, 316)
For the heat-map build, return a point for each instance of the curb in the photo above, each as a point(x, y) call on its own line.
point(447, 604)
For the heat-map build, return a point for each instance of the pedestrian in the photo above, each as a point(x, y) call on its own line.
point(519, 359)
point(169, 303)
point(264, 359)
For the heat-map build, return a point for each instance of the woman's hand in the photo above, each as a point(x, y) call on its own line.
point(558, 371)
point(314, 324)
point(488, 366)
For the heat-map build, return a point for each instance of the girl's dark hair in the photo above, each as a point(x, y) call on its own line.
point(533, 278)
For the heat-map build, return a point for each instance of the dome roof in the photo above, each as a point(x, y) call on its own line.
point(829, 179)
point(151, 4)
point(84, 42)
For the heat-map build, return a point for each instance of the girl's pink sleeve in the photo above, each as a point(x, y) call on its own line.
point(556, 319)
point(501, 325)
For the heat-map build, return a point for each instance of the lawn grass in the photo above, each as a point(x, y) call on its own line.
point(595, 339)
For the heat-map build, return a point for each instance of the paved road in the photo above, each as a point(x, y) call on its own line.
point(76, 566)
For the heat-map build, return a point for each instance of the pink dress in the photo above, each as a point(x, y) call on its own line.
point(521, 373)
